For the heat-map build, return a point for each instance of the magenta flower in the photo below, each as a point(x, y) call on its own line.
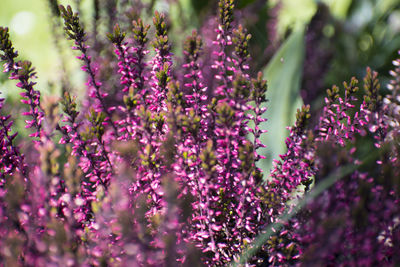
point(159, 167)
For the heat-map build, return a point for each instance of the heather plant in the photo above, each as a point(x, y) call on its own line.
point(164, 171)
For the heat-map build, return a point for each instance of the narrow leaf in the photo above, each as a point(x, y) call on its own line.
point(283, 75)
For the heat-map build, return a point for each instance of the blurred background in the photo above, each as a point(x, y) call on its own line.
point(302, 47)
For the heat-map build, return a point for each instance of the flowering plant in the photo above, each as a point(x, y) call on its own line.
point(164, 171)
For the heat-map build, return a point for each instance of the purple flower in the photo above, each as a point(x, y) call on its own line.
point(166, 174)
point(10, 160)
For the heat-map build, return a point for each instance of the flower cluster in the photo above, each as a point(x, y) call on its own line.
point(23, 72)
point(11, 158)
point(164, 172)
point(362, 207)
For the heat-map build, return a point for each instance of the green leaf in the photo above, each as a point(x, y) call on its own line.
point(283, 75)
point(293, 14)
point(339, 8)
